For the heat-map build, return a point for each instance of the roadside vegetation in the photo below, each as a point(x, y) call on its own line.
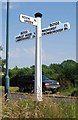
point(66, 73)
point(48, 108)
point(12, 89)
point(70, 91)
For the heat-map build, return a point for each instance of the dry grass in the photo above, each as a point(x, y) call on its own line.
point(45, 109)
point(0, 107)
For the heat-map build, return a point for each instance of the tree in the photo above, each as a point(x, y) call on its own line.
point(44, 69)
point(56, 71)
point(66, 73)
point(2, 61)
point(70, 70)
point(32, 68)
point(3, 64)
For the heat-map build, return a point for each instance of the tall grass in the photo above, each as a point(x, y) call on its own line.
point(69, 91)
point(45, 109)
point(0, 108)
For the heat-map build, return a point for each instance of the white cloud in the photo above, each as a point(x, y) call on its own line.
point(11, 6)
point(21, 57)
point(15, 53)
point(30, 51)
point(21, 52)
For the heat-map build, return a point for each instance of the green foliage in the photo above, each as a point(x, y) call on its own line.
point(0, 65)
point(75, 93)
point(56, 71)
point(66, 73)
point(70, 70)
point(69, 91)
point(13, 72)
point(1, 61)
point(18, 72)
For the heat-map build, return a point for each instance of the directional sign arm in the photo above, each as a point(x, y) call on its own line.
point(24, 36)
point(56, 27)
point(28, 19)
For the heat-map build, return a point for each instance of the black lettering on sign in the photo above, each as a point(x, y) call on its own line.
point(55, 23)
point(18, 37)
point(65, 28)
point(29, 34)
point(65, 25)
point(48, 29)
point(24, 32)
point(27, 21)
point(27, 18)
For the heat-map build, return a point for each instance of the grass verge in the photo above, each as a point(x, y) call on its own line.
point(45, 109)
point(69, 91)
point(12, 89)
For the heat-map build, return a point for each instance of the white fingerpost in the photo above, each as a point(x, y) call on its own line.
point(38, 61)
point(54, 27)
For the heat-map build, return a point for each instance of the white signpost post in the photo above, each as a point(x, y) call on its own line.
point(54, 27)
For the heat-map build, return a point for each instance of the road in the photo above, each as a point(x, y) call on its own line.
point(54, 97)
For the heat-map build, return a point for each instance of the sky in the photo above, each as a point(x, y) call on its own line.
point(55, 47)
point(40, 0)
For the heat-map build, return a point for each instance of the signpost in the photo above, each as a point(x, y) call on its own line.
point(54, 27)
point(38, 66)
point(27, 35)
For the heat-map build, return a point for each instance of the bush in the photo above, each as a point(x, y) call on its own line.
point(75, 93)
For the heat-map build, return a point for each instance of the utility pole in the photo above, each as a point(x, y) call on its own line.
point(7, 82)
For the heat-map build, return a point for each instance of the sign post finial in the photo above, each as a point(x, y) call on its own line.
point(38, 14)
